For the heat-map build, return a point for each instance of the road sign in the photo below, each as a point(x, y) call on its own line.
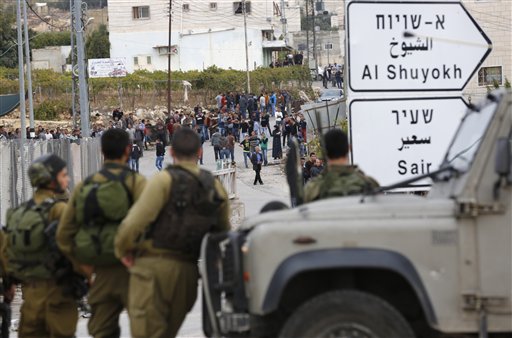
point(412, 46)
point(328, 46)
point(397, 139)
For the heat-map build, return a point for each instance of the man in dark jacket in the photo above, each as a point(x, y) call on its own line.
point(160, 152)
point(257, 160)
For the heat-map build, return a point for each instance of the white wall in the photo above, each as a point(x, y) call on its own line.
point(225, 49)
point(50, 58)
point(495, 18)
point(204, 37)
point(200, 16)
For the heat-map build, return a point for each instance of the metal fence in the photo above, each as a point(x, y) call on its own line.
point(83, 157)
point(227, 176)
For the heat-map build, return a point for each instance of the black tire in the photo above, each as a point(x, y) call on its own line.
point(348, 314)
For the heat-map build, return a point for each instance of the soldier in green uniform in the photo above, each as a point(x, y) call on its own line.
point(339, 178)
point(47, 309)
point(161, 236)
point(88, 226)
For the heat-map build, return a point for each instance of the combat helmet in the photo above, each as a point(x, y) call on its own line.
point(43, 171)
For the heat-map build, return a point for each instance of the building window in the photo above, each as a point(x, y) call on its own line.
point(238, 7)
point(164, 50)
point(213, 6)
point(148, 60)
point(141, 12)
point(488, 76)
point(186, 7)
point(135, 61)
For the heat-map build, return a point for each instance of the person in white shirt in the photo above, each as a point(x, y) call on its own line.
point(263, 103)
point(279, 117)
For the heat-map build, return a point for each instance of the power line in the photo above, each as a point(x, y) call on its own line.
point(45, 21)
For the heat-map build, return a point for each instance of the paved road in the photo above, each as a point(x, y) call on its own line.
point(253, 197)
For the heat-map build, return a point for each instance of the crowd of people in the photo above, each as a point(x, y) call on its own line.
point(332, 74)
point(266, 121)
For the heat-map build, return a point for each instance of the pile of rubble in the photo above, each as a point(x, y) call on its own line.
point(97, 117)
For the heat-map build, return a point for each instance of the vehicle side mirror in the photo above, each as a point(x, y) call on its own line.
point(503, 160)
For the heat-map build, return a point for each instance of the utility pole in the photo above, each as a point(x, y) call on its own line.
point(74, 78)
point(169, 61)
point(314, 36)
point(307, 33)
point(29, 67)
point(246, 49)
point(82, 81)
point(21, 80)
point(283, 21)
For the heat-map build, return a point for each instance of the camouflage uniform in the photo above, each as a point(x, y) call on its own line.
point(108, 295)
point(46, 311)
point(163, 283)
point(336, 181)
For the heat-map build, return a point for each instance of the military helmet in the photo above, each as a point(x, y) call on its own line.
point(44, 170)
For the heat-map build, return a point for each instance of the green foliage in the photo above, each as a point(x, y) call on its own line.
point(51, 109)
point(206, 84)
point(8, 36)
point(8, 80)
point(314, 146)
point(49, 39)
point(97, 45)
point(507, 83)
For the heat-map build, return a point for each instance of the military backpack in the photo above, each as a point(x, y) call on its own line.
point(28, 250)
point(100, 206)
point(344, 184)
point(192, 211)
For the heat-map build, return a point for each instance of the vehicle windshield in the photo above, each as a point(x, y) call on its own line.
point(471, 131)
point(331, 93)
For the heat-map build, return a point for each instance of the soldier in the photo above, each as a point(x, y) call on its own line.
point(160, 239)
point(48, 310)
point(87, 229)
point(339, 178)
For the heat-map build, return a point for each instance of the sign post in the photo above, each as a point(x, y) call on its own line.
point(396, 139)
point(412, 46)
point(407, 64)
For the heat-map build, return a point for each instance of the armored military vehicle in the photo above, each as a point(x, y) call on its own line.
point(379, 265)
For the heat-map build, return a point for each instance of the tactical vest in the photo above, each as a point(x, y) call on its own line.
point(191, 212)
point(28, 248)
point(100, 208)
point(343, 184)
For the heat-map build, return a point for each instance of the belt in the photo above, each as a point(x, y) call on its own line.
point(167, 255)
point(34, 283)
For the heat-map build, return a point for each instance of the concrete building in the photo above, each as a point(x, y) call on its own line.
point(204, 33)
point(53, 58)
point(495, 19)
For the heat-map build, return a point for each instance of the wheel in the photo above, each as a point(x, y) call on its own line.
point(346, 314)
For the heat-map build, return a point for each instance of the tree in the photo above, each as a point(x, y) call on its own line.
point(8, 38)
point(97, 45)
point(48, 39)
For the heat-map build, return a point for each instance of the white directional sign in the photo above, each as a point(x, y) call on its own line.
point(397, 139)
point(412, 46)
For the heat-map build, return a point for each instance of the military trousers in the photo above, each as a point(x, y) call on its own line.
point(162, 291)
point(46, 312)
point(108, 297)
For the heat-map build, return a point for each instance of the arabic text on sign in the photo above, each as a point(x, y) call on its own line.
point(408, 48)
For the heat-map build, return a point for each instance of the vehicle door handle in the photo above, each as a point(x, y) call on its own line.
point(304, 240)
